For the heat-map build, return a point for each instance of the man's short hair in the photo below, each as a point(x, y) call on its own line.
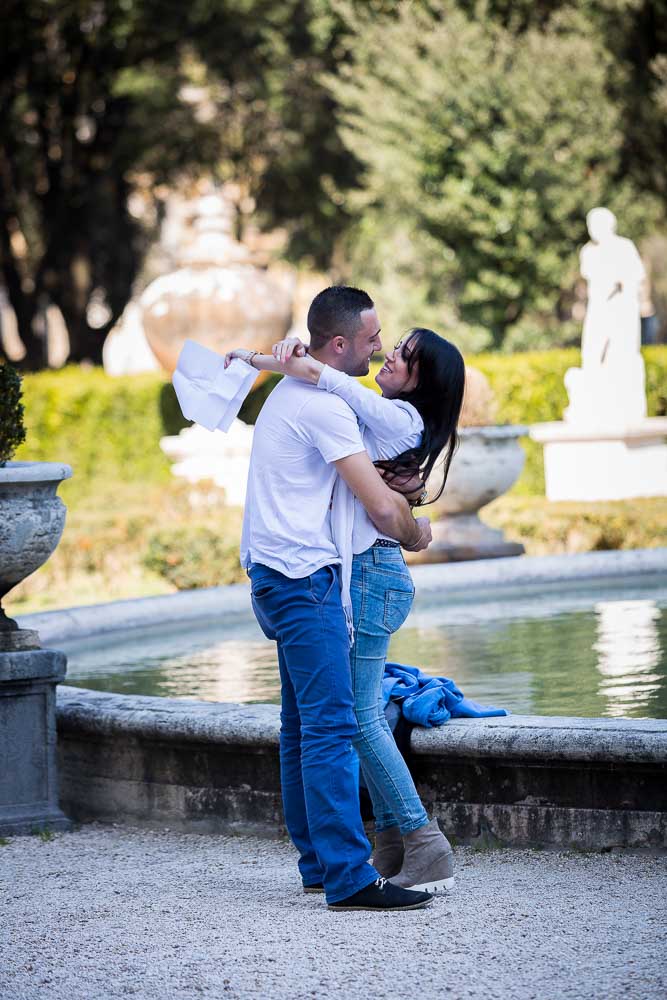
point(336, 312)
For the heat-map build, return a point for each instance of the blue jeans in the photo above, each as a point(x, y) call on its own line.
point(382, 595)
point(318, 767)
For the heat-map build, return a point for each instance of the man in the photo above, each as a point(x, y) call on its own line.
point(303, 439)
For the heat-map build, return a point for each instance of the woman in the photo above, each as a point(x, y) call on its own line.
point(406, 431)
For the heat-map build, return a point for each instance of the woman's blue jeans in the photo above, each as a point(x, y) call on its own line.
point(382, 595)
point(319, 769)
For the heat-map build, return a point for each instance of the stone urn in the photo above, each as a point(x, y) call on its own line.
point(32, 519)
point(487, 463)
point(216, 296)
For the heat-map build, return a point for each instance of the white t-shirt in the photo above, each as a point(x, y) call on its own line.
point(299, 433)
point(390, 427)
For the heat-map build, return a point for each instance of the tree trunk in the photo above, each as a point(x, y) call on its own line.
point(25, 306)
point(85, 343)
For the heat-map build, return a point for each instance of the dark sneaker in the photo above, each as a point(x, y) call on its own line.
point(382, 895)
point(315, 887)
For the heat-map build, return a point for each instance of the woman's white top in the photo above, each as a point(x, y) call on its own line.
point(388, 428)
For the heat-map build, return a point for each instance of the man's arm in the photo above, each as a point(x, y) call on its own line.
point(389, 511)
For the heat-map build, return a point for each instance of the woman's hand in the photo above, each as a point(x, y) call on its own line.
point(284, 349)
point(239, 352)
point(408, 482)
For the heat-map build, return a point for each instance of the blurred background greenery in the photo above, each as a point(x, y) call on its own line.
point(134, 530)
point(443, 154)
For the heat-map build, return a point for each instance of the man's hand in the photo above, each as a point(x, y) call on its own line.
point(425, 537)
point(284, 349)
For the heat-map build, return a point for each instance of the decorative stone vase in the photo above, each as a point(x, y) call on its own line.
point(216, 296)
point(32, 519)
point(487, 463)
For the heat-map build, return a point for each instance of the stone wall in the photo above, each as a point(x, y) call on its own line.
point(587, 783)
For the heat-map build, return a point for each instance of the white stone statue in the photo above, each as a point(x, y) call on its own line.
point(609, 388)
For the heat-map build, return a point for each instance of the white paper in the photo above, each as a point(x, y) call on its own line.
point(209, 393)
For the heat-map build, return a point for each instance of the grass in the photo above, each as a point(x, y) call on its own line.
point(105, 552)
point(44, 833)
point(557, 528)
point(101, 556)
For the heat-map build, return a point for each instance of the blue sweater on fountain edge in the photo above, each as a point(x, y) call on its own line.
point(430, 701)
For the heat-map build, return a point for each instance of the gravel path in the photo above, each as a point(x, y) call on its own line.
point(108, 912)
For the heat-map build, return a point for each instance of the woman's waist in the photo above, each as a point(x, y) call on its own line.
point(383, 552)
point(364, 532)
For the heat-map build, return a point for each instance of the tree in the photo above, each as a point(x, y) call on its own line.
point(512, 137)
point(97, 99)
point(91, 99)
point(278, 125)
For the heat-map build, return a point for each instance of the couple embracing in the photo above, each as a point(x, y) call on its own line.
point(334, 473)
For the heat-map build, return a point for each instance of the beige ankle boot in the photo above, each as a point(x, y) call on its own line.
point(388, 853)
point(428, 863)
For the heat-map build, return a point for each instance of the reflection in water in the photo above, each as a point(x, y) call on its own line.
point(184, 661)
point(628, 647)
point(540, 653)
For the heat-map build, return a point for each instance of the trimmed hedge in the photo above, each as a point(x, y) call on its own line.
point(529, 389)
point(110, 427)
point(104, 427)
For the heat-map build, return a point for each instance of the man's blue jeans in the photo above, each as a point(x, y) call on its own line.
point(382, 594)
point(318, 766)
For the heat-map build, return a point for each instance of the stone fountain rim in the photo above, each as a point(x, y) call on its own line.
point(34, 472)
point(495, 432)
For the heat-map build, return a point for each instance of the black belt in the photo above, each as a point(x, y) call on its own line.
point(386, 543)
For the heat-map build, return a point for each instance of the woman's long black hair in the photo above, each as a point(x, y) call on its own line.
point(438, 398)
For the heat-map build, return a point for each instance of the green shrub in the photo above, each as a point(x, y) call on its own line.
point(255, 401)
point(194, 556)
point(106, 428)
point(101, 556)
point(529, 389)
point(109, 427)
point(12, 431)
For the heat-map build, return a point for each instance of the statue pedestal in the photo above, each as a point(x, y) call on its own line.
point(614, 463)
point(28, 777)
point(459, 537)
point(199, 455)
